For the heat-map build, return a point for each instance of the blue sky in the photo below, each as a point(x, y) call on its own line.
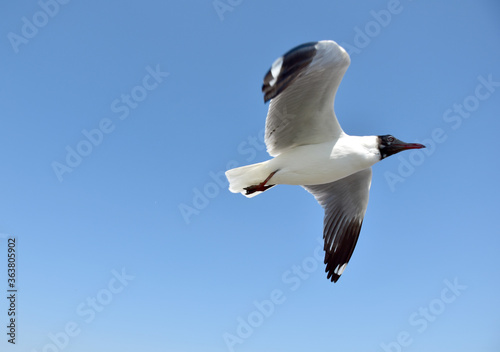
point(118, 120)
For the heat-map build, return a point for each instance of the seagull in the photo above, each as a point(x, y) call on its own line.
point(310, 149)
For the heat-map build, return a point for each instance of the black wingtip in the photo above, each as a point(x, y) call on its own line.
point(334, 278)
point(287, 70)
point(330, 273)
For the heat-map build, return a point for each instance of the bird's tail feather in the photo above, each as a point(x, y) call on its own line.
point(243, 177)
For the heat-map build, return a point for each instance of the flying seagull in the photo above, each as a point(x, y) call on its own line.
point(311, 149)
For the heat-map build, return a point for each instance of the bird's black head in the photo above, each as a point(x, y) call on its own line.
point(389, 145)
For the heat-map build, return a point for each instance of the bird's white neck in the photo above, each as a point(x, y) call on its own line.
point(368, 145)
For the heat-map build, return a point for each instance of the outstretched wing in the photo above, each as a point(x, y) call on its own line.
point(301, 86)
point(345, 203)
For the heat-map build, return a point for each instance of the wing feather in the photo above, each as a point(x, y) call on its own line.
point(345, 203)
point(301, 86)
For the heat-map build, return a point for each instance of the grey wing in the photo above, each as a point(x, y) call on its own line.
point(301, 86)
point(345, 203)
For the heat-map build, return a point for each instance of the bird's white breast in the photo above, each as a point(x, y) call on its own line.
point(325, 162)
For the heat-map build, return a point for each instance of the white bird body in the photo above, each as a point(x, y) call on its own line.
point(310, 164)
point(311, 149)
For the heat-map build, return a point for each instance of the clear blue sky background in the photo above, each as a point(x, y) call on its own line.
point(191, 278)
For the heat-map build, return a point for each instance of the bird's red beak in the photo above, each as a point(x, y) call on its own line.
point(398, 146)
point(404, 146)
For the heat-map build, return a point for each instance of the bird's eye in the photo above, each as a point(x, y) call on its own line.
point(390, 139)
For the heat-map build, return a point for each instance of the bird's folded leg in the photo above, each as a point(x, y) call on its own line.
point(261, 187)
